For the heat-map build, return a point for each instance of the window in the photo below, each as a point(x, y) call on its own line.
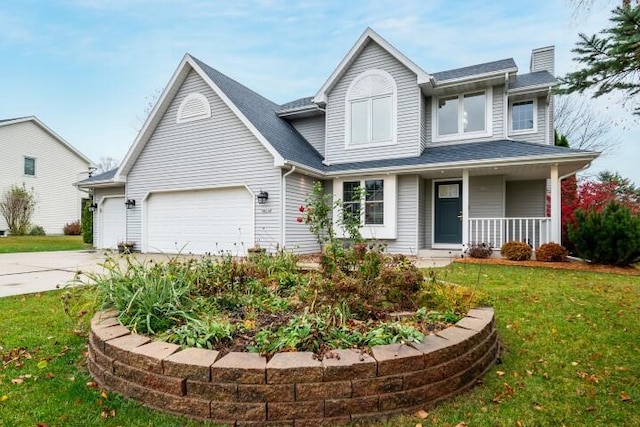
point(194, 107)
point(372, 197)
point(463, 115)
point(30, 166)
point(371, 109)
point(523, 118)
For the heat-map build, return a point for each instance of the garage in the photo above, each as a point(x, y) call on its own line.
point(113, 222)
point(199, 221)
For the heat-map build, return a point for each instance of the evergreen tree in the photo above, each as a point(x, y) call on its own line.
point(611, 61)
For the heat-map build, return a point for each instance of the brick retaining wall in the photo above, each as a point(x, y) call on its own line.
point(292, 389)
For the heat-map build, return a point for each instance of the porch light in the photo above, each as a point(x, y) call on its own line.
point(262, 197)
point(130, 203)
point(93, 207)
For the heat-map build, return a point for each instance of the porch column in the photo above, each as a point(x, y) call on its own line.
point(555, 205)
point(465, 208)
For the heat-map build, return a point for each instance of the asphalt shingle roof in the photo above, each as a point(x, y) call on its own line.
point(533, 79)
point(487, 67)
point(473, 151)
point(15, 118)
point(262, 113)
point(105, 176)
point(298, 103)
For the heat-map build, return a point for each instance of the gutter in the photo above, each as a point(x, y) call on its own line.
point(474, 78)
point(525, 89)
point(283, 205)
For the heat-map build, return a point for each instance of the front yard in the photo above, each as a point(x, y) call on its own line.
point(12, 244)
point(571, 356)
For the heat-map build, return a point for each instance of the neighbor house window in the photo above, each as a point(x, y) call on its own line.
point(30, 166)
point(370, 109)
point(462, 115)
point(523, 118)
point(371, 193)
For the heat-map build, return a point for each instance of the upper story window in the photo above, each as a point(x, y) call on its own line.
point(371, 110)
point(30, 166)
point(523, 117)
point(466, 115)
point(194, 107)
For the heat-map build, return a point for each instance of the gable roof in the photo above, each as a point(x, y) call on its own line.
point(101, 179)
point(497, 151)
point(503, 65)
point(368, 35)
point(36, 121)
point(530, 80)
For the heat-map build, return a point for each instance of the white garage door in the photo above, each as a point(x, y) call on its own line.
point(112, 222)
point(200, 221)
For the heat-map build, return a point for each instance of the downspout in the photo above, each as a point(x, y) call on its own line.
point(505, 103)
point(547, 123)
point(283, 206)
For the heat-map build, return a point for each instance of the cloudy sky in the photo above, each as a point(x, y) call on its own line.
point(88, 68)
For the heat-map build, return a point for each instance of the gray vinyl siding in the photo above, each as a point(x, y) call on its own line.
point(297, 236)
point(428, 213)
point(422, 208)
point(486, 196)
point(407, 125)
point(313, 130)
point(525, 198)
point(98, 195)
point(215, 152)
point(406, 218)
point(497, 119)
point(425, 121)
point(543, 60)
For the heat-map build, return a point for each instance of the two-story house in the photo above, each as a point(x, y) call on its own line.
point(34, 156)
point(446, 158)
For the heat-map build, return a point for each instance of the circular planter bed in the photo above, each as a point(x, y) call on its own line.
point(293, 388)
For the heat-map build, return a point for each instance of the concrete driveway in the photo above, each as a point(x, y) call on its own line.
point(28, 272)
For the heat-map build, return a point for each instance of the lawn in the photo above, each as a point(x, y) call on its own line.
point(571, 357)
point(41, 243)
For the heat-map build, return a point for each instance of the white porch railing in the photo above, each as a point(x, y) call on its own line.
point(496, 231)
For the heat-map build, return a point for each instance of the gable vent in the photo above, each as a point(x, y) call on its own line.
point(194, 107)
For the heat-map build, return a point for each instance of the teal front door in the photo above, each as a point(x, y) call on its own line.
point(448, 212)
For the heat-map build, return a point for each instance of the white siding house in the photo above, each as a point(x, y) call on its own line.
point(36, 157)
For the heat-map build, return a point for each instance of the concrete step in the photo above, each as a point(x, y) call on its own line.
point(439, 253)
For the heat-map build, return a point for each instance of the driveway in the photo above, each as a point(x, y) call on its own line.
point(28, 272)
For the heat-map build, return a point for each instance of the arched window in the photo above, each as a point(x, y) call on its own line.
point(194, 107)
point(371, 110)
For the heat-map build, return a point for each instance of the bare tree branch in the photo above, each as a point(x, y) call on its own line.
point(106, 164)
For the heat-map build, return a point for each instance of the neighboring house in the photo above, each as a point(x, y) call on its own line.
point(35, 156)
point(446, 158)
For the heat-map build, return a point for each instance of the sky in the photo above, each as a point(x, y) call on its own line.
point(89, 68)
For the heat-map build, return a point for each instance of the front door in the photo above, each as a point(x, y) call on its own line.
point(448, 212)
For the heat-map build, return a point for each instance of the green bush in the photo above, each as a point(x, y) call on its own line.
point(551, 252)
point(87, 221)
point(610, 237)
point(37, 230)
point(516, 251)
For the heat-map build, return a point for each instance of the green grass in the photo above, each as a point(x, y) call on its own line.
point(572, 356)
point(41, 243)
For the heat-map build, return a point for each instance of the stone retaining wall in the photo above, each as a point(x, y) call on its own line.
point(292, 389)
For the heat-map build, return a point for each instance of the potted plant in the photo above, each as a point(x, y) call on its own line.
point(126, 247)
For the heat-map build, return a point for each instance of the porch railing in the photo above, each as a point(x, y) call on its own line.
point(496, 231)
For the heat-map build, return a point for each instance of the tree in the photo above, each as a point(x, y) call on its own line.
point(577, 122)
point(106, 164)
point(611, 61)
point(17, 205)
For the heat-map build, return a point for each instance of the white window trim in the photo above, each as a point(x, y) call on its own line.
point(35, 166)
point(371, 231)
point(394, 108)
point(201, 98)
point(488, 119)
point(535, 117)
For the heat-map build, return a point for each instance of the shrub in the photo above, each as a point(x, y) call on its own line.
point(610, 237)
point(72, 228)
point(37, 230)
point(551, 252)
point(87, 221)
point(480, 250)
point(516, 251)
point(17, 205)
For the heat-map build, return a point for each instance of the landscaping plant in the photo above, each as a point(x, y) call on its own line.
point(17, 206)
point(516, 251)
point(551, 252)
point(480, 250)
point(72, 228)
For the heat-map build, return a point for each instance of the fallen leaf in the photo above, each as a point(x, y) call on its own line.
point(518, 423)
point(462, 424)
point(42, 364)
point(529, 373)
point(104, 394)
point(624, 396)
point(3, 398)
point(92, 384)
point(17, 381)
point(50, 375)
point(422, 414)
point(499, 373)
point(574, 363)
point(72, 378)
point(104, 415)
point(545, 376)
point(419, 425)
point(537, 407)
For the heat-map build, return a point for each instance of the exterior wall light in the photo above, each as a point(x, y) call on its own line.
point(93, 207)
point(262, 197)
point(130, 203)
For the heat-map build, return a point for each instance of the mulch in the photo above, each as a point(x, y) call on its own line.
point(567, 265)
